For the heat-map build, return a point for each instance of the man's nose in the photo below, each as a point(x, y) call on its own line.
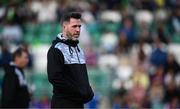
point(78, 29)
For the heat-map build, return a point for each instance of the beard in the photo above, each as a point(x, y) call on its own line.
point(72, 36)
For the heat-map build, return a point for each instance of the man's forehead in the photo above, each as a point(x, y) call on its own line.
point(73, 20)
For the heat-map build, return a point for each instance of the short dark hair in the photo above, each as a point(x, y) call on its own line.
point(17, 53)
point(67, 16)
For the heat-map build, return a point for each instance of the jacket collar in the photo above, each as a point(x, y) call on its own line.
point(13, 64)
point(66, 41)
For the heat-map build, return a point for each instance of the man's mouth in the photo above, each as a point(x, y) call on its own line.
point(74, 38)
point(76, 34)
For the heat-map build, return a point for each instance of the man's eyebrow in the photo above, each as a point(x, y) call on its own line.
point(76, 25)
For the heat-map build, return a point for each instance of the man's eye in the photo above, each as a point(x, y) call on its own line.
point(77, 26)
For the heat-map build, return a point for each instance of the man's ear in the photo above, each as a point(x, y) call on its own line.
point(16, 58)
point(65, 24)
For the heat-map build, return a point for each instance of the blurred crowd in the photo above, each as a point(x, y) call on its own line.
point(129, 38)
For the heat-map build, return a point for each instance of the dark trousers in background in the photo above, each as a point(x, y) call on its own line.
point(64, 103)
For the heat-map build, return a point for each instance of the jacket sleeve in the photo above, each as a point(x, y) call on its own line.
point(55, 61)
point(9, 89)
point(55, 69)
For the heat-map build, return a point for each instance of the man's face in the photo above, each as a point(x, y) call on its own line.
point(73, 28)
point(22, 60)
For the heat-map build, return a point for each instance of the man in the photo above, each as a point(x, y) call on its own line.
point(67, 68)
point(14, 87)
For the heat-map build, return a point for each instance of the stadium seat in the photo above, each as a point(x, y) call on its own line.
point(99, 80)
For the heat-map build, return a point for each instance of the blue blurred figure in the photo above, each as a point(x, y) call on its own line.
point(5, 56)
point(94, 103)
point(158, 56)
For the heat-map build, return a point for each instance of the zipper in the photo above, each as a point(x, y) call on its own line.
point(77, 56)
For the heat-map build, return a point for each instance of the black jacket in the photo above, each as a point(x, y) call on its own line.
point(14, 88)
point(67, 71)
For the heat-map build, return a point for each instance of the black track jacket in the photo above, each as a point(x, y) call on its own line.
point(67, 71)
point(15, 92)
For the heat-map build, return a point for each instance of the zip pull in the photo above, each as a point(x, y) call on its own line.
point(78, 49)
point(70, 50)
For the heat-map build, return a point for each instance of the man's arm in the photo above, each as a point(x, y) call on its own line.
point(56, 73)
point(9, 91)
point(54, 65)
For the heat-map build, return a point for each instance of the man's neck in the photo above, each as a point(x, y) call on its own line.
point(64, 36)
point(15, 64)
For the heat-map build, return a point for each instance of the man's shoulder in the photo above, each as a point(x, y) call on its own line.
point(9, 66)
point(9, 69)
point(60, 46)
point(56, 48)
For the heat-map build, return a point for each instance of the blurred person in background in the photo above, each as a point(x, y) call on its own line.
point(62, 5)
point(140, 55)
point(162, 33)
point(172, 64)
point(128, 29)
point(171, 95)
point(159, 53)
point(66, 66)
point(119, 100)
point(137, 93)
point(158, 75)
point(156, 94)
point(30, 55)
point(122, 43)
point(91, 57)
point(5, 56)
point(12, 33)
point(143, 32)
point(42, 7)
point(94, 103)
point(12, 24)
point(141, 76)
point(15, 92)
